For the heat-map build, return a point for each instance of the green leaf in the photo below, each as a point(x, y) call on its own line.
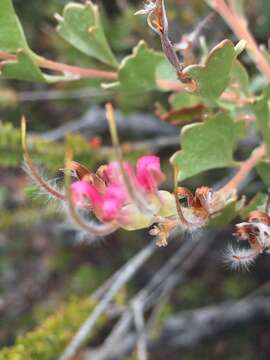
point(239, 78)
point(183, 100)
point(263, 169)
point(24, 68)
point(261, 110)
point(214, 76)
point(11, 35)
point(12, 39)
point(138, 72)
point(165, 71)
point(138, 75)
point(238, 88)
point(81, 26)
point(207, 145)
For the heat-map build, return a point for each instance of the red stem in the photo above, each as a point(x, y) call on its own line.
point(81, 72)
point(95, 73)
point(56, 66)
point(245, 168)
point(239, 27)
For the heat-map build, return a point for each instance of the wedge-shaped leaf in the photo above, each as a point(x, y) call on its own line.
point(261, 109)
point(139, 72)
point(213, 77)
point(11, 34)
point(237, 90)
point(239, 82)
point(184, 100)
point(12, 39)
point(207, 145)
point(81, 26)
point(24, 68)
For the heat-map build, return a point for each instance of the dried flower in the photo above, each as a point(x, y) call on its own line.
point(256, 231)
point(199, 208)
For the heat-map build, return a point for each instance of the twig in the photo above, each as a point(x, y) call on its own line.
point(77, 71)
point(183, 331)
point(64, 68)
point(126, 274)
point(138, 314)
point(185, 258)
point(245, 168)
point(240, 28)
point(91, 73)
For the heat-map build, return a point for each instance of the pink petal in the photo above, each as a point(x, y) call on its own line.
point(112, 173)
point(85, 194)
point(113, 201)
point(149, 174)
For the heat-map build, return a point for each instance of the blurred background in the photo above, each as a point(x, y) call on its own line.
point(43, 263)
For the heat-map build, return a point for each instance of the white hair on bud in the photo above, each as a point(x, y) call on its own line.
point(263, 235)
point(239, 258)
point(40, 190)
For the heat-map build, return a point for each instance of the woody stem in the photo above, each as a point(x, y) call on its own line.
point(245, 168)
point(94, 73)
point(240, 28)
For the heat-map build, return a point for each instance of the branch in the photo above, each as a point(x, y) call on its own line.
point(168, 276)
point(78, 71)
point(189, 329)
point(92, 73)
point(240, 28)
point(127, 272)
point(64, 68)
point(244, 170)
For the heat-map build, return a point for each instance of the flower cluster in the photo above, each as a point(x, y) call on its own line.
point(130, 198)
point(256, 231)
point(122, 196)
point(107, 194)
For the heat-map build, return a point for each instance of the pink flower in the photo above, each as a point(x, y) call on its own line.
point(149, 174)
point(112, 202)
point(111, 173)
point(84, 194)
point(106, 205)
point(105, 192)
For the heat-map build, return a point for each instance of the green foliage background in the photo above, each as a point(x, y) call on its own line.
point(32, 241)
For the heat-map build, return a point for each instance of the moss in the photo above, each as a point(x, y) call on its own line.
point(42, 151)
point(49, 340)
